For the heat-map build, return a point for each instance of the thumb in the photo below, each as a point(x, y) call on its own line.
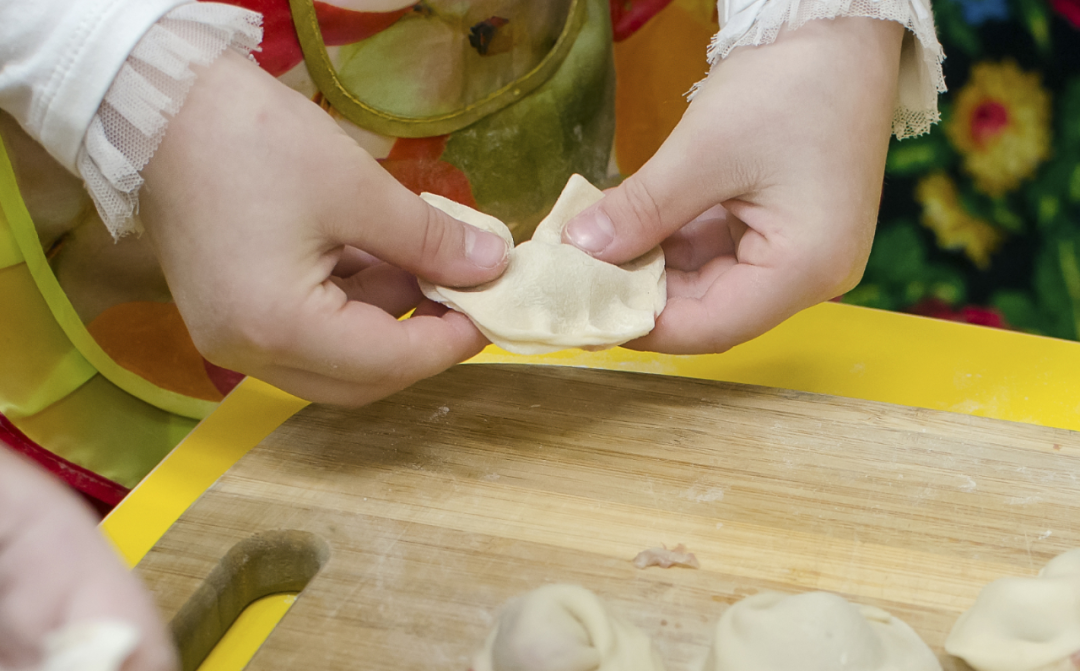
point(407, 232)
point(666, 193)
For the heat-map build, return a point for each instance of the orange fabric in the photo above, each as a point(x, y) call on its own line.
point(151, 340)
point(655, 67)
point(415, 163)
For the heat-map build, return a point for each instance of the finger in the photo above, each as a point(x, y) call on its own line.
point(706, 237)
point(385, 286)
point(324, 389)
point(106, 590)
point(57, 570)
point(696, 283)
point(740, 304)
point(352, 261)
point(682, 180)
point(730, 312)
point(358, 354)
point(410, 234)
point(724, 304)
point(429, 308)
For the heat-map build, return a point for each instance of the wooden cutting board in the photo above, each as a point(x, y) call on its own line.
point(412, 520)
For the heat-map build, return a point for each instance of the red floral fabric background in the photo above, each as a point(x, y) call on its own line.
point(980, 219)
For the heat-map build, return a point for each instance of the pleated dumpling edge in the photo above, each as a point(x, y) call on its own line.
point(554, 296)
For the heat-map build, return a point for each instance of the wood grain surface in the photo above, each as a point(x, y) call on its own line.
point(420, 515)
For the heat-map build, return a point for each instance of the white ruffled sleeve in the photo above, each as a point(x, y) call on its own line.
point(150, 86)
point(757, 22)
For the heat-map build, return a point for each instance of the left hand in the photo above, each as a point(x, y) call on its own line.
point(765, 196)
point(258, 204)
point(56, 570)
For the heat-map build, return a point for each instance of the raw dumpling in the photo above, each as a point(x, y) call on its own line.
point(1023, 624)
point(816, 631)
point(90, 646)
point(554, 296)
point(564, 628)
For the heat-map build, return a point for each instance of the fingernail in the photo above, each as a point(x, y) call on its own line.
point(486, 250)
point(592, 231)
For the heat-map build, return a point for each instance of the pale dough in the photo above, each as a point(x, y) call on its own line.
point(665, 558)
point(564, 628)
point(90, 646)
point(1023, 624)
point(815, 631)
point(554, 296)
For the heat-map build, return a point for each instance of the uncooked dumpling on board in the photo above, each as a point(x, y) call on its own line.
point(1024, 624)
point(815, 631)
point(564, 628)
point(554, 296)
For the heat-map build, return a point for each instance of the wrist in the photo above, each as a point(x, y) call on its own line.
point(150, 87)
point(876, 28)
point(218, 93)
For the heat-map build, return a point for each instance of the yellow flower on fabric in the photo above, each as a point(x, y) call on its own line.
point(1001, 125)
point(944, 214)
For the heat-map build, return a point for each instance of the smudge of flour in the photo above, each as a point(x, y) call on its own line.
point(704, 495)
point(441, 412)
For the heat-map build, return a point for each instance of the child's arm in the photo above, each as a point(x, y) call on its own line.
point(790, 139)
point(57, 570)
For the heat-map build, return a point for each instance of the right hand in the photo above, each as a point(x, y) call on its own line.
point(765, 196)
point(57, 570)
point(256, 201)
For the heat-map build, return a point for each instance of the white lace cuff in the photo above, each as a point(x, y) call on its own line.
point(757, 22)
point(153, 82)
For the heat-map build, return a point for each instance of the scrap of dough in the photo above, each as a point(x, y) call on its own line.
point(564, 628)
point(815, 631)
point(90, 646)
point(1023, 624)
point(665, 558)
point(554, 296)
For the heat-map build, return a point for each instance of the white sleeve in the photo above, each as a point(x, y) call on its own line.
point(757, 22)
point(92, 81)
point(58, 57)
point(150, 86)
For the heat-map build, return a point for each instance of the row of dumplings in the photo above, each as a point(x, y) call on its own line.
point(1016, 624)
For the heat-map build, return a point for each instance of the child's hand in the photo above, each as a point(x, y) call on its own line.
point(784, 152)
point(258, 204)
point(57, 570)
